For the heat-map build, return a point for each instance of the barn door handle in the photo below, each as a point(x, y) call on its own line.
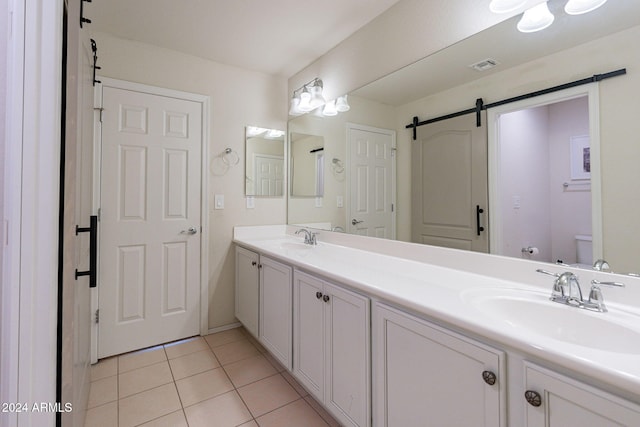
point(93, 250)
point(479, 228)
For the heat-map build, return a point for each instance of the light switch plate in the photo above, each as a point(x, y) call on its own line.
point(218, 201)
point(251, 202)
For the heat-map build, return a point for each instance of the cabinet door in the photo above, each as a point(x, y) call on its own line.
point(565, 402)
point(427, 376)
point(347, 379)
point(308, 330)
point(247, 289)
point(275, 309)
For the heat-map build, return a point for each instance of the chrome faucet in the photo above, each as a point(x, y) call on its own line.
point(566, 290)
point(601, 265)
point(309, 237)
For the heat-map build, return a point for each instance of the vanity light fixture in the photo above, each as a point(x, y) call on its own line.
point(537, 16)
point(578, 7)
point(330, 108)
point(307, 98)
point(342, 105)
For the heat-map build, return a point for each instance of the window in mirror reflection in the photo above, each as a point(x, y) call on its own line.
point(264, 162)
point(307, 165)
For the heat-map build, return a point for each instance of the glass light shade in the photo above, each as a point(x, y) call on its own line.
point(342, 105)
point(254, 131)
point(294, 109)
point(305, 101)
point(505, 6)
point(578, 7)
point(330, 109)
point(274, 133)
point(316, 97)
point(535, 19)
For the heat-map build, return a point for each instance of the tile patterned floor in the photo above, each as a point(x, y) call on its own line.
point(220, 380)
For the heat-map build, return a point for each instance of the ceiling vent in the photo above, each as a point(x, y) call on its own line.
point(484, 65)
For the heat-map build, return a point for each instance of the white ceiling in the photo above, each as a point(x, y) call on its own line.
point(278, 37)
point(503, 42)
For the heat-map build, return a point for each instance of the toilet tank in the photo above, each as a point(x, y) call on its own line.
point(584, 249)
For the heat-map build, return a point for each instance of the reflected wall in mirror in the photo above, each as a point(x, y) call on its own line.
point(569, 50)
point(264, 162)
point(306, 165)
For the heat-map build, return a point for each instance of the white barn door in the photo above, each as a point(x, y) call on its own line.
point(150, 220)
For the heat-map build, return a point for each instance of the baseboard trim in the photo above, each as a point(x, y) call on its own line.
point(224, 328)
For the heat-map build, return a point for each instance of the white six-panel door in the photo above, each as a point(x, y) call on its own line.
point(150, 225)
point(371, 181)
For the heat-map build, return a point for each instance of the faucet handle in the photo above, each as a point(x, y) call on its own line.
point(596, 283)
point(596, 298)
point(549, 273)
point(313, 240)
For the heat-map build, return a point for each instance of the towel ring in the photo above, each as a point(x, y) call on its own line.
point(230, 157)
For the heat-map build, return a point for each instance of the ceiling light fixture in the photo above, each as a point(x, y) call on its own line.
point(536, 18)
point(578, 7)
point(505, 6)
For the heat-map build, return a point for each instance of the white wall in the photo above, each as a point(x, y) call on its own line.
point(405, 33)
point(535, 162)
point(570, 207)
point(238, 98)
point(525, 174)
point(619, 129)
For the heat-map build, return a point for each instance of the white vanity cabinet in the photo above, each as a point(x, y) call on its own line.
point(424, 375)
point(247, 296)
point(331, 347)
point(556, 400)
point(275, 309)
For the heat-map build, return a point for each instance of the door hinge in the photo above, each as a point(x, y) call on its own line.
point(392, 207)
point(99, 213)
point(98, 316)
point(99, 109)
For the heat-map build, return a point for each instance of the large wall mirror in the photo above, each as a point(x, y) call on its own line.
point(306, 164)
point(264, 162)
point(588, 195)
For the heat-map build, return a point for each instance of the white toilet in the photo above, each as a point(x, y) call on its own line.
point(584, 250)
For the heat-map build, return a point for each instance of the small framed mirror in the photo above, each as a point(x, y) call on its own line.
point(307, 165)
point(264, 162)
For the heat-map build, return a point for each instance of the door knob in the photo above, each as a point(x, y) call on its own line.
point(190, 230)
point(355, 221)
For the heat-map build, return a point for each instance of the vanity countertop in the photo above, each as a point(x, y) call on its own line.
point(455, 297)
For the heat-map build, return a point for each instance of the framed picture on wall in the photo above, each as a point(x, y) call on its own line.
point(580, 156)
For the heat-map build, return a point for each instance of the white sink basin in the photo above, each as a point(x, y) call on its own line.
point(532, 311)
point(291, 247)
